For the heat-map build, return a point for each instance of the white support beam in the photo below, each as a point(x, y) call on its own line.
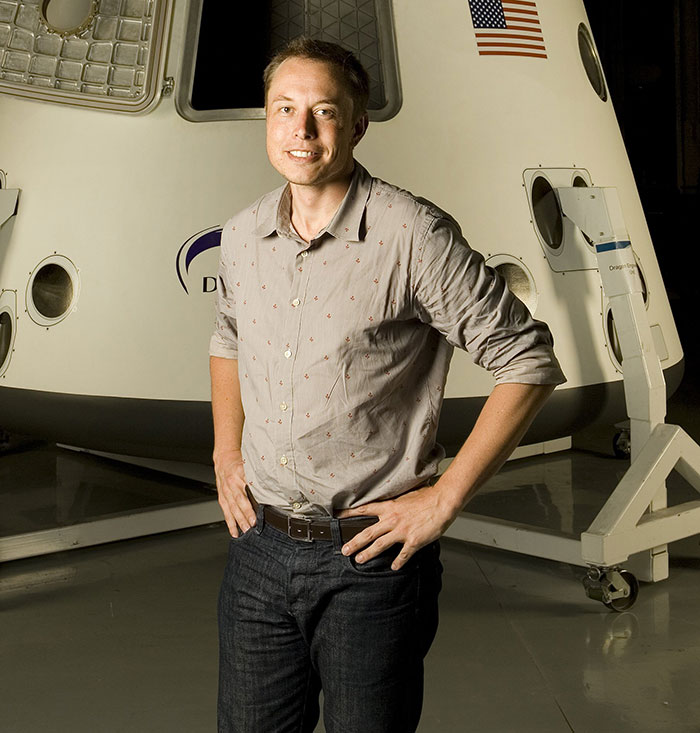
point(109, 529)
point(526, 539)
point(640, 483)
point(654, 529)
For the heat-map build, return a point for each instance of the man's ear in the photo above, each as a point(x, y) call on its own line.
point(359, 129)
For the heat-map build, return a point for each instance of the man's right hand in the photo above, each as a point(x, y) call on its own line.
point(231, 486)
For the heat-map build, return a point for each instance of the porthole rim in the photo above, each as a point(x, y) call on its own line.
point(74, 274)
point(67, 32)
point(588, 36)
point(608, 314)
point(502, 258)
point(5, 364)
point(556, 251)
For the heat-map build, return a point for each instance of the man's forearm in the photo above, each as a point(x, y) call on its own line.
point(227, 408)
point(504, 419)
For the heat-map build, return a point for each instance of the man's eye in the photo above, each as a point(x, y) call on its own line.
point(285, 110)
point(324, 112)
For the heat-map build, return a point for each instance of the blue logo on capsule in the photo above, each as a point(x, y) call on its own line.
point(201, 242)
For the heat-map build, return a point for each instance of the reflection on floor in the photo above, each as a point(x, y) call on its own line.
point(122, 637)
point(43, 486)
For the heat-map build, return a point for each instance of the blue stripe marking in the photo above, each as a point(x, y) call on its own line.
point(202, 244)
point(608, 246)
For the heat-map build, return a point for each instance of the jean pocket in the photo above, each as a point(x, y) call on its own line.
point(243, 535)
point(381, 564)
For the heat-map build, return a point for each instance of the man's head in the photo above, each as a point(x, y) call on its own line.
point(349, 69)
point(315, 101)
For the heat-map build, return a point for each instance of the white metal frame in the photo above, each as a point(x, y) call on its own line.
point(200, 510)
point(635, 520)
point(110, 529)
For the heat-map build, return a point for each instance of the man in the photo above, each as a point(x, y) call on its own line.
point(340, 300)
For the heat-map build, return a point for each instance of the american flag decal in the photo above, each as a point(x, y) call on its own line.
point(507, 28)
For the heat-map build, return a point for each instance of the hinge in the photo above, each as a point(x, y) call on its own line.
point(168, 86)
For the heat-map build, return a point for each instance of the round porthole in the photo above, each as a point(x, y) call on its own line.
point(68, 17)
point(548, 217)
point(645, 291)
point(613, 340)
point(591, 62)
point(6, 338)
point(518, 278)
point(52, 290)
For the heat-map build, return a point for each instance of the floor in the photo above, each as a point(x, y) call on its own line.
point(122, 637)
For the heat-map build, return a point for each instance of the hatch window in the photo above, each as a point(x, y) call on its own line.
point(222, 65)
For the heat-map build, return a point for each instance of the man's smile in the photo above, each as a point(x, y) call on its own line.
point(303, 154)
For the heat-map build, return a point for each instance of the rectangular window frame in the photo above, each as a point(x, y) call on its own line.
point(183, 94)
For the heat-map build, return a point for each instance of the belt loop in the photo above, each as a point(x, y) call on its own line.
point(259, 511)
point(337, 538)
point(260, 521)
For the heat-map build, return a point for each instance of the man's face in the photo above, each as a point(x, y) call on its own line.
point(311, 132)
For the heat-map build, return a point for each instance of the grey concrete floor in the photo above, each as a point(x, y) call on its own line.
point(122, 637)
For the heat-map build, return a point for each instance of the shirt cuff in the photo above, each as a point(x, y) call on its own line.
point(218, 347)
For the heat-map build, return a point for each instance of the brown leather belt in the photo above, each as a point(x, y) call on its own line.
point(308, 530)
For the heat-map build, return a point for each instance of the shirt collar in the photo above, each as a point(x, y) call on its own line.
point(268, 213)
point(346, 224)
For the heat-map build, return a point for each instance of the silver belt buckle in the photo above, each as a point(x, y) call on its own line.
point(299, 528)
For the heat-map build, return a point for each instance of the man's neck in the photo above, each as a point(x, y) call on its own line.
point(314, 206)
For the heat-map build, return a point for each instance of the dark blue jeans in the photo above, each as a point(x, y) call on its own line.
point(297, 617)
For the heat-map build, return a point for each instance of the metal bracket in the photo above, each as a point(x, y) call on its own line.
point(168, 86)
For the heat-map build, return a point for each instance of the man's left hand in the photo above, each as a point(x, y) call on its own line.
point(414, 519)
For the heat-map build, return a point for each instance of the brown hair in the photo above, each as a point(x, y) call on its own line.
point(353, 73)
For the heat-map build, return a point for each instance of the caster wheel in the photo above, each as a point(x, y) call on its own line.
point(622, 444)
point(615, 588)
point(626, 602)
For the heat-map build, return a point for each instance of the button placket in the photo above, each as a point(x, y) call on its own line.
point(292, 334)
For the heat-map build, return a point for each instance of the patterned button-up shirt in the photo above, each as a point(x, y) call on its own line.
point(343, 343)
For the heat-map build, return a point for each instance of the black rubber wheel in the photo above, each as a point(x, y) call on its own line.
point(622, 445)
point(625, 603)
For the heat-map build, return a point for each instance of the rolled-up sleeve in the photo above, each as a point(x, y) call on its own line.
point(471, 305)
point(224, 341)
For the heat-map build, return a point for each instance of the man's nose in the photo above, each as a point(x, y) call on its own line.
point(306, 127)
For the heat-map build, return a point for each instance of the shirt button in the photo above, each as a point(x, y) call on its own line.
point(283, 406)
point(296, 302)
point(296, 506)
point(304, 254)
point(287, 354)
point(284, 460)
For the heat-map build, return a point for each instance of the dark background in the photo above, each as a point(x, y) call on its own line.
point(650, 56)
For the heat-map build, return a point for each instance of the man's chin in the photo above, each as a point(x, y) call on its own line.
point(302, 179)
point(310, 174)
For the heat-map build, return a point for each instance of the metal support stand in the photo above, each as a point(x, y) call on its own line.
point(189, 509)
point(110, 529)
point(635, 523)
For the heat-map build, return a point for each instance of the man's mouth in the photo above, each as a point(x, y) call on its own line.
point(302, 153)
